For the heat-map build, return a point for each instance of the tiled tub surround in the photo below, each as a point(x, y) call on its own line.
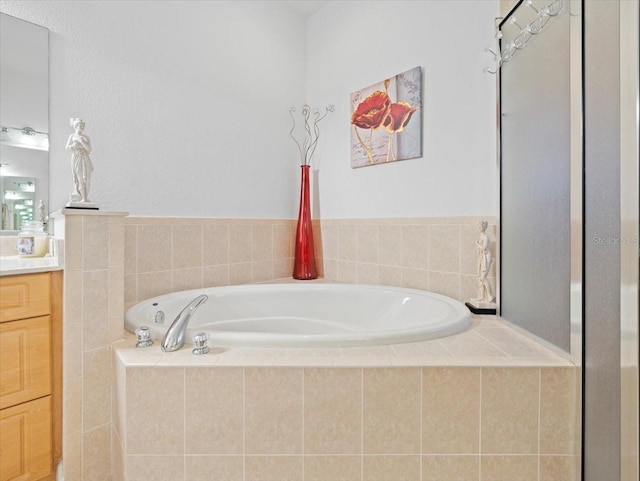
point(169, 254)
point(93, 307)
point(435, 254)
point(488, 404)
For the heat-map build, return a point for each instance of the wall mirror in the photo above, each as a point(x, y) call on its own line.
point(24, 122)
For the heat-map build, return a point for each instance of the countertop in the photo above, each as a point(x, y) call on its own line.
point(13, 265)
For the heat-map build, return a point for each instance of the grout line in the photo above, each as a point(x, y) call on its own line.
point(184, 423)
point(421, 419)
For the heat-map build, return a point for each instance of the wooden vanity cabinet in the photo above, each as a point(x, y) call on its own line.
point(30, 379)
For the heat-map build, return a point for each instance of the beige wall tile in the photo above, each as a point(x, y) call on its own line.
point(154, 284)
point(214, 468)
point(282, 241)
point(450, 468)
point(155, 406)
point(72, 455)
point(391, 468)
point(329, 241)
point(116, 241)
point(557, 410)
point(130, 249)
point(72, 404)
point(367, 247)
point(214, 276)
point(95, 309)
point(262, 271)
point(284, 267)
point(468, 253)
point(415, 279)
point(470, 344)
point(391, 411)
point(510, 410)
point(415, 246)
point(130, 288)
point(262, 243)
point(558, 468)
point(389, 276)
point(154, 248)
point(469, 287)
point(116, 291)
point(118, 397)
point(347, 243)
point(273, 411)
point(445, 283)
point(273, 468)
point(509, 468)
point(72, 331)
point(450, 410)
point(215, 245)
point(96, 392)
point(239, 243)
point(347, 272)
point(73, 242)
point(156, 468)
point(330, 269)
point(390, 245)
point(96, 454)
point(366, 273)
point(213, 410)
point(444, 248)
point(117, 458)
point(240, 273)
point(332, 411)
point(183, 279)
point(116, 327)
point(186, 246)
point(333, 468)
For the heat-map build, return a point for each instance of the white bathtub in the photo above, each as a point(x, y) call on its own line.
point(306, 315)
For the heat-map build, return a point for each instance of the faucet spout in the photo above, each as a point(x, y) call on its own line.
point(174, 338)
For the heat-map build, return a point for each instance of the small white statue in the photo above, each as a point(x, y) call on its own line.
point(485, 259)
point(81, 164)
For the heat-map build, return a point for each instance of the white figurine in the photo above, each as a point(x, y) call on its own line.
point(81, 164)
point(485, 259)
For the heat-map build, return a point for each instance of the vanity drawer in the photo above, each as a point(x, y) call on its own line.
point(25, 353)
point(25, 441)
point(24, 296)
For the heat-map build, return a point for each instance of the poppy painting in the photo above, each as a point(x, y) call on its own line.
point(386, 120)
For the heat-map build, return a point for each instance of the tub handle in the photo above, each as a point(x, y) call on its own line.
point(200, 344)
point(144, 337)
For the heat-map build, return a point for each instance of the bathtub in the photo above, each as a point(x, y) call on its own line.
point(306, 315)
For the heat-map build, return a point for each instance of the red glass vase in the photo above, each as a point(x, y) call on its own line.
point(304, 265)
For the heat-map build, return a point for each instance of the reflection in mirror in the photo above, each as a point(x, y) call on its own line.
point(24, 121)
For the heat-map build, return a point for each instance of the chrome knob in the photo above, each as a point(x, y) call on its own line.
point(200, 344)
point(144, 337)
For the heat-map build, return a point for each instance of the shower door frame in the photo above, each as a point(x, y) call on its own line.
point(629, 238)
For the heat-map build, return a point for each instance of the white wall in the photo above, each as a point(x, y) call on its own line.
point(186, 103)
point(353, 44)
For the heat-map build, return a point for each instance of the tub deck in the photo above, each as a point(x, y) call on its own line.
point(490, 341)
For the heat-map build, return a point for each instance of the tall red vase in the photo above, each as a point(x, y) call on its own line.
point(304, 266)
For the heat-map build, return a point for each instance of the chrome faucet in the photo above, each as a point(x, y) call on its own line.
point(174, 338)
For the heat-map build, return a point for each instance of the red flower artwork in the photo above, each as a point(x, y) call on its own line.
point(372, 111)
point(378, 110)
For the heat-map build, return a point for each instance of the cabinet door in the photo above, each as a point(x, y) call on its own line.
point(25, 441)
point(25, 369)
point(24, 296)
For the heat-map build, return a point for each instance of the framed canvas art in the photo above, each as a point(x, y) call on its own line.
point(386, 120)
